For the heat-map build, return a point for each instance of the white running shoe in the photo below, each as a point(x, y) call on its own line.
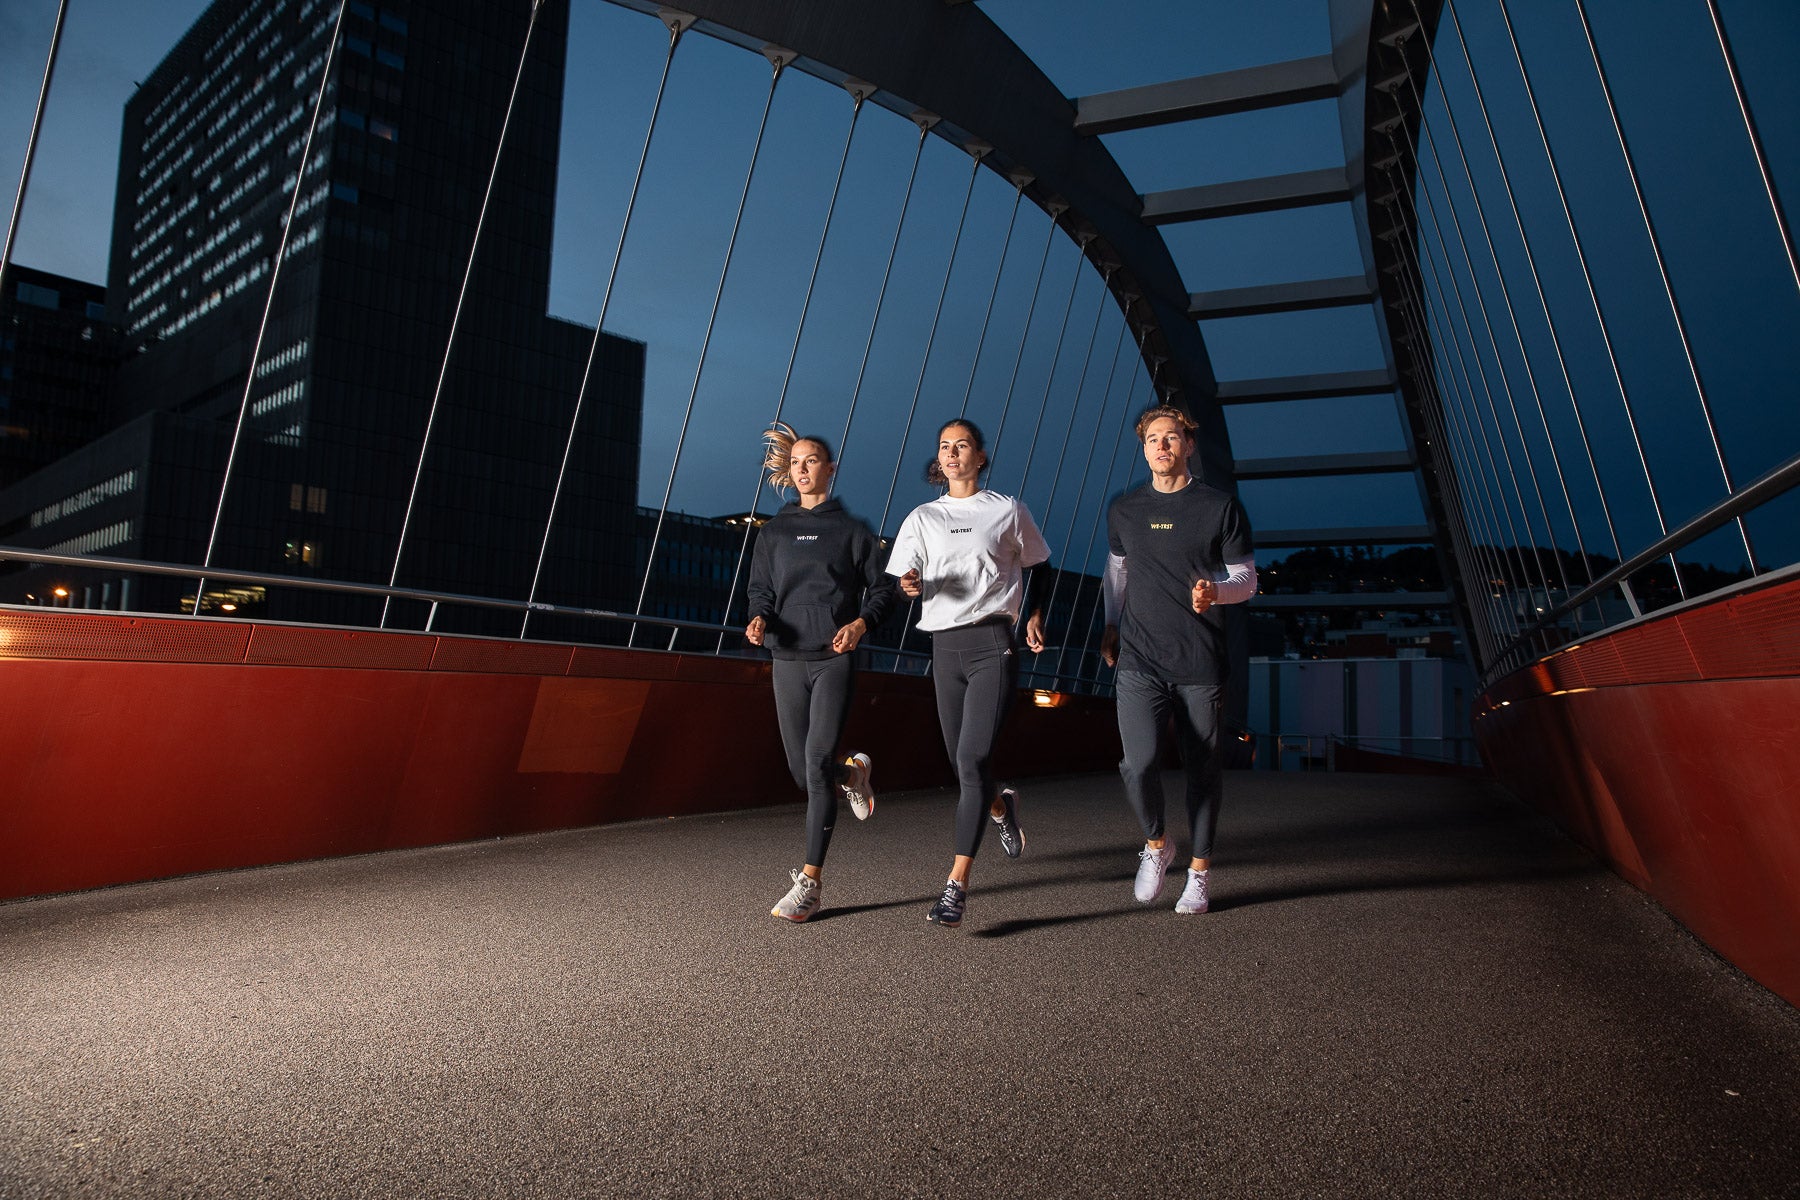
point(855, 785)
point(1153, 864)
point(802, 900)
point(1193, 897)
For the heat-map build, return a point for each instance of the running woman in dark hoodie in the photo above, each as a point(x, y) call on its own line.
point(816, 587)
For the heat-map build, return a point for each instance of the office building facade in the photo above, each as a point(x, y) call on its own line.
point(320, 396)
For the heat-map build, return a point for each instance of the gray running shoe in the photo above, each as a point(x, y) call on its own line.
point(1153, 864)
point(948, 911)
point(1012, 838)
point(855, 785)
point(1193, 897)
point(802, 900)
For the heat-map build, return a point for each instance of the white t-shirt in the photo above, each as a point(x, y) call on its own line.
point(971, 555)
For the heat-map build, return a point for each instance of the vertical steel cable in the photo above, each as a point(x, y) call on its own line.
point(1528, 545)
point(1511, 565)
point(1087, 465)
point(677, 26)
point(1030, 312)
point(1075, 407)
point(1055, 361)
point(1098, 619)
point(1520, 545)
point(1537, 398)
point(1543, 303)
point(1488, 324)
point(1756, 145)
point(31, 141)
point(462, 293)
point(1487, 511)
point(1019, 183)
point(1473, 517)
point(978, 152)
point(778, 60)
point(857, 94)
point(1612, 357)
point(1444, 449)
point(262, 328)
point(1080, 388)
point(1662, 270)
point(924, 122)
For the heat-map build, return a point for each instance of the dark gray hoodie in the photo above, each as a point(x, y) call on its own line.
point(815, 571)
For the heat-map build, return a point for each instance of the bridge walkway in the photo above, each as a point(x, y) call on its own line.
point(1408, 987)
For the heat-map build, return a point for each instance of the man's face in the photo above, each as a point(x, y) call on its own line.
point(1167, 447)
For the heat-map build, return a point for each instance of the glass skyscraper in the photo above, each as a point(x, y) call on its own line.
point(357, 357)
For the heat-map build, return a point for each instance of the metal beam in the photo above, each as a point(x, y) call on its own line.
point(1313, 465)
point(1270, 193)
point(1373, 535)
point(1311, 600)
point(1299, 296)
point(1213, 95)
point(1306, 387)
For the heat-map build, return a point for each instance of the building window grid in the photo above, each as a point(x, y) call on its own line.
point(285, 357)
point(119, 485)
point(116, 534)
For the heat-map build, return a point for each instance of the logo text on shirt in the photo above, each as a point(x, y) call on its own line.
point(1162, 524)
point(806, 537)
point(964, 529)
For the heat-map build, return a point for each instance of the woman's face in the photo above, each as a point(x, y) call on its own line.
point(809, 469)
point(958, 457)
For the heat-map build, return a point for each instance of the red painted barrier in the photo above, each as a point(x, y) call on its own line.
point(1672, 749)
point(135, 748)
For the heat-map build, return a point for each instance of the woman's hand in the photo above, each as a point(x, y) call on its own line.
point(753, 632)
point(849, 635)
point(912, 584)
point(1034, 632)
point(1206, 594)
point(1109, 646)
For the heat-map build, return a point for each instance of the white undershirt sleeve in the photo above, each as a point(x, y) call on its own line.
point(1239, 583)
point(1112, 587)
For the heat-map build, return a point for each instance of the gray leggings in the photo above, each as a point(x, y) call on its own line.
point(1145, 704)
point(975, 671)
point(812, 700)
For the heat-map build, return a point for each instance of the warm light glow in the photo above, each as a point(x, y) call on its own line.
point(228, 607)
point(61, 593)
point(1046, 699)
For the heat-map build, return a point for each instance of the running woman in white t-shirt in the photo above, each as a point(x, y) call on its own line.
point(965, 554)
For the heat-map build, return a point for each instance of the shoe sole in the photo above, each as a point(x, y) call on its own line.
point(863, 761)
point(776, 912)
point(941, 923)
point(1018, 829)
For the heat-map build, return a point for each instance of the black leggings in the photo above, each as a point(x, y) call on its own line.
point(812, 700)
point(975, 671)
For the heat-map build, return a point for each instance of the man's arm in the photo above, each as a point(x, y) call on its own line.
point(1112, 591)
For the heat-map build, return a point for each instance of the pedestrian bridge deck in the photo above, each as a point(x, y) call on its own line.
point(1408, 987)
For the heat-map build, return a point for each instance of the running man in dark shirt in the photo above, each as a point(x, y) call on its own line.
point(1178, 550)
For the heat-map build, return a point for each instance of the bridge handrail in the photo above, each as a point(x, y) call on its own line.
point(1534, 641)
point(434, 598)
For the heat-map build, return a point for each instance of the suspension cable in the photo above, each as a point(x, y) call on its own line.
point(778, 60)
point(262, 328)
point(677, 25)
point(462, 293)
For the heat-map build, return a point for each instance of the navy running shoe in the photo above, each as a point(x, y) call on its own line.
point(1012, 838)
point(948, 911)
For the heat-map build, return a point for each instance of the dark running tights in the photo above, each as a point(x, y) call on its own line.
point(812, 699)
point(975, 671)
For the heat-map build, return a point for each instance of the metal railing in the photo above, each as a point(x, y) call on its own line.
point(890, 659)
point(1547, 634)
